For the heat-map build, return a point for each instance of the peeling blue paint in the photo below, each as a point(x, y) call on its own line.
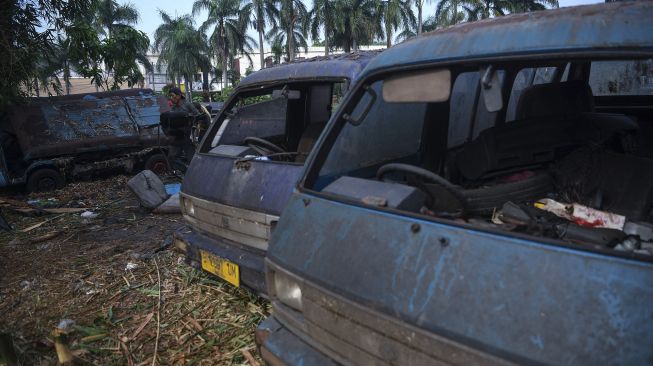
point(538, 342)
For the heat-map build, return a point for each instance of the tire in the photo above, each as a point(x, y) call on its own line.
point(485, 200)
point(158, 163)
point(44, 180)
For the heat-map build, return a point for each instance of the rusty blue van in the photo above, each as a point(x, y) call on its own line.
point(482, 196)
point(251, 158)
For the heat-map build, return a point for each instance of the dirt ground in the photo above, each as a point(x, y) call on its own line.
point(113, 284)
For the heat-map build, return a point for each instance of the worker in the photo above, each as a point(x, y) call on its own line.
point(179, 103)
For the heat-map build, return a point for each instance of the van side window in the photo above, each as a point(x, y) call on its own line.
point(525, 78)
point(464, 95)
point(630, 77)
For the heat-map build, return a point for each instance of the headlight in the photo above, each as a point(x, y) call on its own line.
point(188, 207)
point(287, 290)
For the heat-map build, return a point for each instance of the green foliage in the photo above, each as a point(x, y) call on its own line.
point(224, 94)
point(27, 34)
point(119, 53)
point(166, 89)
point(182, 48)
point(44, 39)
point(256, 99)
point(121, 48)
point(291, 28)
point(229, 20)
point(197, 98)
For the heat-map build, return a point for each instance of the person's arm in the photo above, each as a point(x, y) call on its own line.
point(190, 109)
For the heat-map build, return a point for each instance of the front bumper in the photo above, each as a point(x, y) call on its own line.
point(250, 260)
point(279, 346)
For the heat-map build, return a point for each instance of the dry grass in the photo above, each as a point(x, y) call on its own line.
point(72, 268)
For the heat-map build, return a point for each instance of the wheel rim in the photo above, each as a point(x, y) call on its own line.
point(160, 167)
point(47, 184)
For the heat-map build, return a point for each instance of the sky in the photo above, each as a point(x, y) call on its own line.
point(150, 18)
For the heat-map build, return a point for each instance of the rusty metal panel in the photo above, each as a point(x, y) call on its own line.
point(251, 228)
point(625, 25)
point(259, 186)
point(520, 299)
point(72, 126)
point(146, 109)
point(343, 66)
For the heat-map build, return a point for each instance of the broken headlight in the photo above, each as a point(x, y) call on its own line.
point(287, 290)
point(188, 207)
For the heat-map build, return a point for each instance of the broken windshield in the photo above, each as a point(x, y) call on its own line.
point(563, 143)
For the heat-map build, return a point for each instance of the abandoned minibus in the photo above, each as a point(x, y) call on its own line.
point(250, 160)
point(482, 196)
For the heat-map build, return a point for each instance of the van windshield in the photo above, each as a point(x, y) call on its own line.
point(566, 137)
point(279, 123)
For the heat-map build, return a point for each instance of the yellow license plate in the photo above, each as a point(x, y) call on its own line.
point(220, 267)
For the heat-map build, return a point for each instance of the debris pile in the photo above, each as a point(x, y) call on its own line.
point(103, 261)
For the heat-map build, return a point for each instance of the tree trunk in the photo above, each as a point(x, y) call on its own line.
point(388, 36)
point(36, 87)
point(187, 84)
point(420, 3)
point(66, 77)
point(354, 45)
point(326, 41)
point(205, 85)
point(291, 46)
point(224, 67)
point(260, 45)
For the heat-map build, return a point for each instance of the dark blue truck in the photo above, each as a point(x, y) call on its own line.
point(251, 158)
point(48, 141)
point(482, 196)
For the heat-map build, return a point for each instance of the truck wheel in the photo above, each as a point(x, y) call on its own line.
point(44, 179)
point(158, 164)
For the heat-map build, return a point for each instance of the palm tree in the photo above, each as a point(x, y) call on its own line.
point(450, 12)
point(264, 12)
point(323, 15)
point(181, 47)
point(277, 51)
point(109, 15)
point(123, 46)
point(419, 4)
point(522, 6)
point(358, 23)
point(430, 24)
point(395, 14)
point(491, 8)
point(291, 30)
point(229, 34)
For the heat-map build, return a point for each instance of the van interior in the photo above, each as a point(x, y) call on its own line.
point(558, 149)
point(278, 123)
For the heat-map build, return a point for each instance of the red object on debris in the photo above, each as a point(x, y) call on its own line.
point(583, 215)
point(518, 177)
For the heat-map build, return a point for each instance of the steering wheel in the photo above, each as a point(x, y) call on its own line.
point(427, 177)
point(262, 146)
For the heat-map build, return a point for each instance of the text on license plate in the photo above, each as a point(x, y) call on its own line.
point(222, 268)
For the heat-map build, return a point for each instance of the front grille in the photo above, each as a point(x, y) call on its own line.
point(242, 226)
point(352, 334)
